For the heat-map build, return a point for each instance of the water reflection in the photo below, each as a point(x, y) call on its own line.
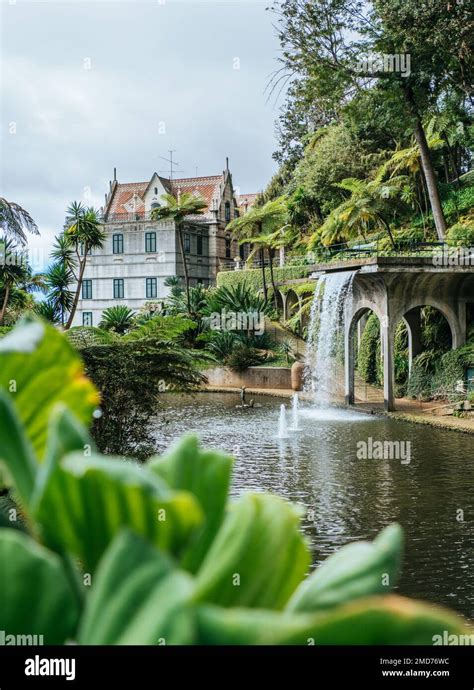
point(350, 498)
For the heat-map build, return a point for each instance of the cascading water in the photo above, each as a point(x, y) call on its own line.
point(327, 318)
point(282, 427)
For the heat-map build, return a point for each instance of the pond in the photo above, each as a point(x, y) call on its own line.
point(429, 490)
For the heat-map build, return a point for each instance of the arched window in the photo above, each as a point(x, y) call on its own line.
point(227, 211)
point(155, 204)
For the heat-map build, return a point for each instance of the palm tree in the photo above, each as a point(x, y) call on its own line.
point(58, 279)
point(14, 220)
point(47, 310)
point(14, 270)
point(84, 232)
point(119, 319)
point(366, 208)
point(177, 209)
point(256, 226)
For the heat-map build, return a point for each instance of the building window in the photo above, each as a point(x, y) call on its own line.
point(87, 289)
point(199, 244)
point(117, 244)
point(236, 212)
point(150, 242)
point(154, 205)
point(242, 252)
point(87, 318)
point(187, 243)
point(118, 288)
point(156, 190)
point(151, 290)
point(227, 248)
point(227, 211)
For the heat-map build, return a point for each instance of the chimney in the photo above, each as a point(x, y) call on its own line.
point(115, 174)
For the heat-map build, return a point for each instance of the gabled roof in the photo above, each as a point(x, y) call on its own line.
point(133, 193)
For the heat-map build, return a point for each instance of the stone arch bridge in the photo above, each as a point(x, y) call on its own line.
point(396, 288)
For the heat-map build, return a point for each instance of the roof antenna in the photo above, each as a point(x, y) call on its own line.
point(172, 164)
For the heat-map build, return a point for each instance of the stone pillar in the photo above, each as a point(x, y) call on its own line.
point(349, 361)
point(413, 321)
point(387, 334)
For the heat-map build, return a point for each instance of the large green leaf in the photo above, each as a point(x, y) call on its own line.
point(389, 620)
point(356, 570)
point(258, 557)
point(15, 451)
point(138, 597)
point(86, 501)
point(39, 368)
point(206, 474)
point(35, 596)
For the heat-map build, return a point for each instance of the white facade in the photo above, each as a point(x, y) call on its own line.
point(139, 254)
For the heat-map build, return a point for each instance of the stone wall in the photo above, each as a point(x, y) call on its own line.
point(253, 377)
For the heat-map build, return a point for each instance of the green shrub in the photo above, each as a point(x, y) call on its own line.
point(461, 234)
point(161, 543)
point(368, 359)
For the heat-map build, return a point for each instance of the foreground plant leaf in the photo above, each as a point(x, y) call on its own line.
point(35, 596)
point(357, 570)
point(258, 557)
point(15, 451)
point(138, 597)
point(86, 501)
point(39, 368)
point(206, 474)
point(387, 620)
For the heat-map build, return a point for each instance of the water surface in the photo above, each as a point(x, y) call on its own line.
point(350, 498)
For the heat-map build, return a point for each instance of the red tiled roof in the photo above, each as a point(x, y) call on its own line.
point(207, 187)
point(246, 201)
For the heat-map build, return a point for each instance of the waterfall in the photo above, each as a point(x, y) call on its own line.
point(282, 428)
point(322, 369)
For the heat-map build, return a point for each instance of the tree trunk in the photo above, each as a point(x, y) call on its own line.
point(5, 303)
point(72, 313)
point(185, 268)
point(387, 228)
point(272, 277)
point(427, 167)
point(264, 280)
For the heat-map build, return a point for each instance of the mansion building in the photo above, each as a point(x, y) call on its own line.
point(139, 254)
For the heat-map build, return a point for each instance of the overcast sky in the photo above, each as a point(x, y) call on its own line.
point(90, 85)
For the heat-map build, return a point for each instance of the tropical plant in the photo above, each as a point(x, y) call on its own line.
point(47, 310)
point(257, 226)
point(58, 279)
point(118, 318)
point(132, 371)
point(175, 284)
point(177, 208)
point(14, 221)
point(170, 558)
point(366, 209)
point(13, 271)
point(83, 232)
